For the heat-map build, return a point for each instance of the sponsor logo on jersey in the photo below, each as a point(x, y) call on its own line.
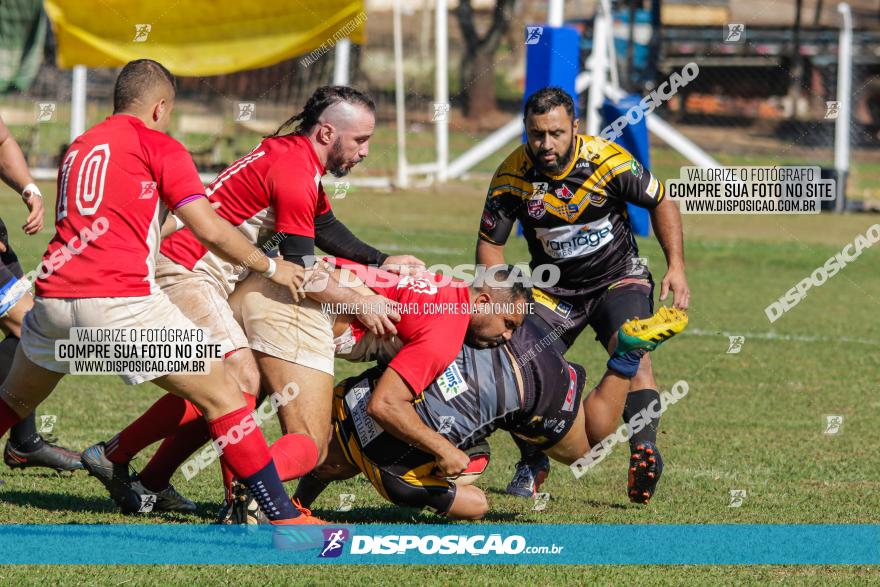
point(536, 209)
point(636, 168)
point(563, 308)
point(568, 404)
point(148, 190)
point(366, 428)
point(488, 221)
point(563, 193)
point(539, 188)
point(653, 187)
point(575, 240)
point(418, 285)
point(451, 382)
point(572, 210)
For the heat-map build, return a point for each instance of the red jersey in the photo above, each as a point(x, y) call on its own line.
point(274, 188)
point(115, 186)
point(434, 318)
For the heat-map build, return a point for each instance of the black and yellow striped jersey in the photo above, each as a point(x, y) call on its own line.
point(576, 220)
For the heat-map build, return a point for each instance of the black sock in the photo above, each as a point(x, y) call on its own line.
point(528, 451)
point(636, 401)
point(308, 489)
point(269, 492)
point(23, 436)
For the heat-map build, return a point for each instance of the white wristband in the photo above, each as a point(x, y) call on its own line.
point(268, 273)
point(33, 189)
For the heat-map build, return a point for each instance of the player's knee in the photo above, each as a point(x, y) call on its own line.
point(470, 504)
point(242, 368)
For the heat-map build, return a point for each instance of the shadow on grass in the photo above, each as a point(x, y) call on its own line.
point(590, 502)
point(58, 501)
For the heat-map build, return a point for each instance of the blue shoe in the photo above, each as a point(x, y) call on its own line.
point(529, 476)
point(645, 468)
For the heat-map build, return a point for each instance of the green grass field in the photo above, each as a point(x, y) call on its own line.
point(752, 420)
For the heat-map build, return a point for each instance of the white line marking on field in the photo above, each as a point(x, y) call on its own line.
point(407, 248)
point(775, 336)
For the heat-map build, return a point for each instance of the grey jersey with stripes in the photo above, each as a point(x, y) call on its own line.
point(472, 396)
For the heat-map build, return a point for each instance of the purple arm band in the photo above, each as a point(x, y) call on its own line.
point(188, 199)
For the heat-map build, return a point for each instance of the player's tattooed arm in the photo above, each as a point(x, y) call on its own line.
point(391, 407)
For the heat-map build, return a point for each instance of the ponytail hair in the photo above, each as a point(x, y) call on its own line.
point(320, 100)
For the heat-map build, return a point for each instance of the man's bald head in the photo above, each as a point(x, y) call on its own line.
point(145, 88)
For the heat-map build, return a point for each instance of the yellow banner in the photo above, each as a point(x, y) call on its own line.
point(201, 37)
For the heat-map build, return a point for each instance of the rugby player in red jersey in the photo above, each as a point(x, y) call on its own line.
point(26, 447)
point(437, 315)
point(116, 183)
point(274, 197)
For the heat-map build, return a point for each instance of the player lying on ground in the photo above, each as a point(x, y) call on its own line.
point(122, 173)
point(570, 192)
point(274, 197)
point(533, 393)
point(425, 342)
point(25, 447)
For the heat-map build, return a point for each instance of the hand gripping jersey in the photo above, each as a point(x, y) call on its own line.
point(479, 393)
point(115, 186)
point(576, 220)
point(274, 188)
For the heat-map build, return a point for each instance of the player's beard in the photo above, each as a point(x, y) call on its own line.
point(336, 163)
point(558, 165)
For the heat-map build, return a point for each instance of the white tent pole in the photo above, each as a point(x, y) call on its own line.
point(598, 68)
point(341, 62)
point(555, 12)
point(441, 88)
point(844, 88)
point(400, 100)
point(78, 102)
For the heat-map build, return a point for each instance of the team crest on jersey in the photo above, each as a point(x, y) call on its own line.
point(148, 190)
point(451, 382)
point(488, 221)
point(536, 209)
point(539, 188)
point(563, 193)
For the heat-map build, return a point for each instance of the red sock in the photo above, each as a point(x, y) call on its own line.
point(173, 452)
point(8, 417)
point(162, 419)
point(249, 453)
point(177, 449)
point(294, 455)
